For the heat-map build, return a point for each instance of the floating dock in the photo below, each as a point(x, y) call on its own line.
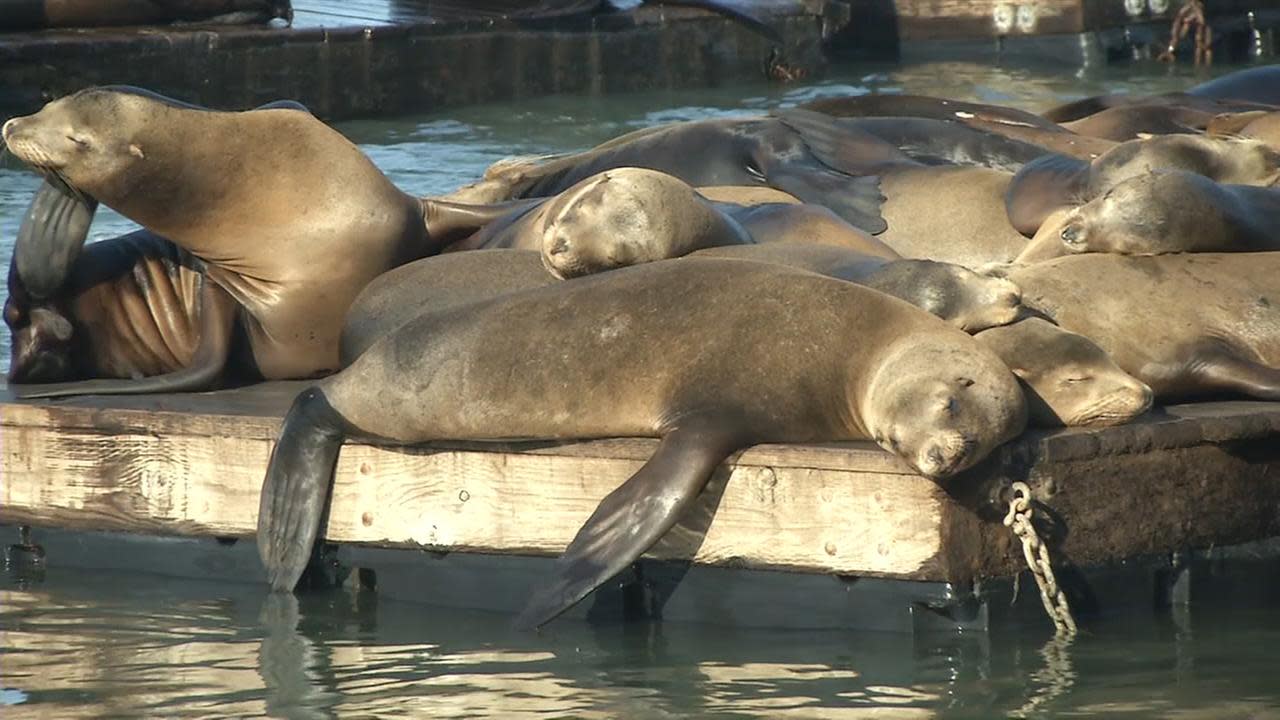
point(371, 58)
point(191, 466)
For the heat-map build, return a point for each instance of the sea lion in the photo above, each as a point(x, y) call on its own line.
point(1257, 124)
point(275, 185)
point(760, 150)
point(37, 14)
point(663, 343)
point(1129, 122)
point(960, 132)
point(1069, 380)
point(627, 216)
point(1085, 107)
point(1256, 85)
point(1167, 212)
point(959, 296)
point(1188, 325)
point(1054, 182)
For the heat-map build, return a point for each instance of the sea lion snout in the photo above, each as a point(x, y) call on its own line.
point(10, 127)
point(945, 455)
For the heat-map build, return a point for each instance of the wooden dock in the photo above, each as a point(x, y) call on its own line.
point(1191, 476)
point(366, 58)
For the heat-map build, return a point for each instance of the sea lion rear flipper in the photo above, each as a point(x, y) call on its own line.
point(1216, 367)
point(51, 236)
point(855, 199)
point(217, 318)
point(295, 494)
point(631, 519)
point(1046, 184)
point(839, 145)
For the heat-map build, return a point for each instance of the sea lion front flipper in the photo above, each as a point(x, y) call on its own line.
point(1046, 184)
point(632, 518)
point(51, 236)
point(217, 320)
point(295, 494)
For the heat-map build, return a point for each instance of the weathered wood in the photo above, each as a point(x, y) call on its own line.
point(946, 19)
point(193, 465)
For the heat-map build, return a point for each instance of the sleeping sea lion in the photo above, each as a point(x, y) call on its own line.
point(250, 194)
point(627, 216)
point(1054, 182)
point(1069, 380)
point(1167, 212)
point(653, 351)
point(1188, 325)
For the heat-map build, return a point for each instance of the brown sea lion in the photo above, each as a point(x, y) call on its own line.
point(1069, 380)
point(1129, 122)
point(629, 216)
point(1259, 125)
point(37, 14)
point(1188, 325)
point(656, 351)
point(1085, 107)
point(1167, 212)
point(273, 186)
point(1054, 182)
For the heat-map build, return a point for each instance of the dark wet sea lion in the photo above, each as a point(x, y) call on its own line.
point(1167, 212)
point(1256, 84)
point(1054, 182)
point(904, 105)
point(662, 341)
point(1069, 380)
point(1188, 325)
point(37, 14)
point(275, 185)
point(743, 151)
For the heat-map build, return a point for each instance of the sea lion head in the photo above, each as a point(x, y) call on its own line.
point(962, 297)
point(1068, 378)
point(90, 140)
point(942, 402)
point(1149, 214)
point(41, 336)
point(620, 217)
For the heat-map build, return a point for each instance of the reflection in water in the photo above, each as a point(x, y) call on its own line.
point(93, 644)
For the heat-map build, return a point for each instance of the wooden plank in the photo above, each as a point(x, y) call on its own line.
point(193, 465)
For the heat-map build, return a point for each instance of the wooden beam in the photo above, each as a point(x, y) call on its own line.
point(974, 19)
point(193, 465)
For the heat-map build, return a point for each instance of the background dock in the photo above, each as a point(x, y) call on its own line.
point(369, 58)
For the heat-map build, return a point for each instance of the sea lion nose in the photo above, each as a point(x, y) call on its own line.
point(1147, 395)
point(560, 246)
point(10, 127)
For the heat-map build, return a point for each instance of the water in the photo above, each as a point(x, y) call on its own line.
point(107, 644)
point(97, 644)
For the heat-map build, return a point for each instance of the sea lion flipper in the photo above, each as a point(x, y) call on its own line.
point(855, 199)
point(51, 236)
point(217, 318)
point(295, 494)
point(1046, 184)
point(631, 519)
point(1216, 366)
point(840, 145)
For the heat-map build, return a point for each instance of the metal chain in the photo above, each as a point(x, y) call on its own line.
point(1037, 554)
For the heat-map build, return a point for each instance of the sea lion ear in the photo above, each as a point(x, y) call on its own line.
point(50, 238)
point(136, 151)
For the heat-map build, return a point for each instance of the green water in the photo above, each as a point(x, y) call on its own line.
point(99, 644)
